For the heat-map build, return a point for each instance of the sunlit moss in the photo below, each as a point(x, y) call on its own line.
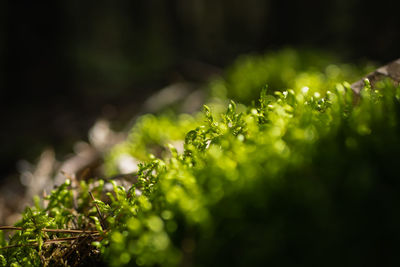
point(301, 172)
point(282, 70)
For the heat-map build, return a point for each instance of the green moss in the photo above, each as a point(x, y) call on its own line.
point(282, 70)
point(302, 178)
point(149, 136)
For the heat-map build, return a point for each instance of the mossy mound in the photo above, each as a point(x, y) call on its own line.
point(301, 178)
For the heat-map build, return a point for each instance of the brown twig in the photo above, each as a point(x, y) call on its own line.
point(70, 231)
point(68, 239)
point(98, 211)
point(10, 228)
point(67, 231)
point(54, 241)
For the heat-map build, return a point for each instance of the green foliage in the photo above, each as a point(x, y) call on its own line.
point(302, 178)
point(148, 137)
point(268, 179)
point(32, 245)
point(282, 70)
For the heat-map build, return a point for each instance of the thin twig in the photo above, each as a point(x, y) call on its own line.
point(68, 239)
point(70, 231)
point(67, 231)
point(54, 241)
point(98, 211)
point(10, 228)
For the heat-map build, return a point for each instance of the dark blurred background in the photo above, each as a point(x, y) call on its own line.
point(66, 63)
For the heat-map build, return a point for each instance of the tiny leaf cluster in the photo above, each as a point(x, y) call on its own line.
point(301, 177)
